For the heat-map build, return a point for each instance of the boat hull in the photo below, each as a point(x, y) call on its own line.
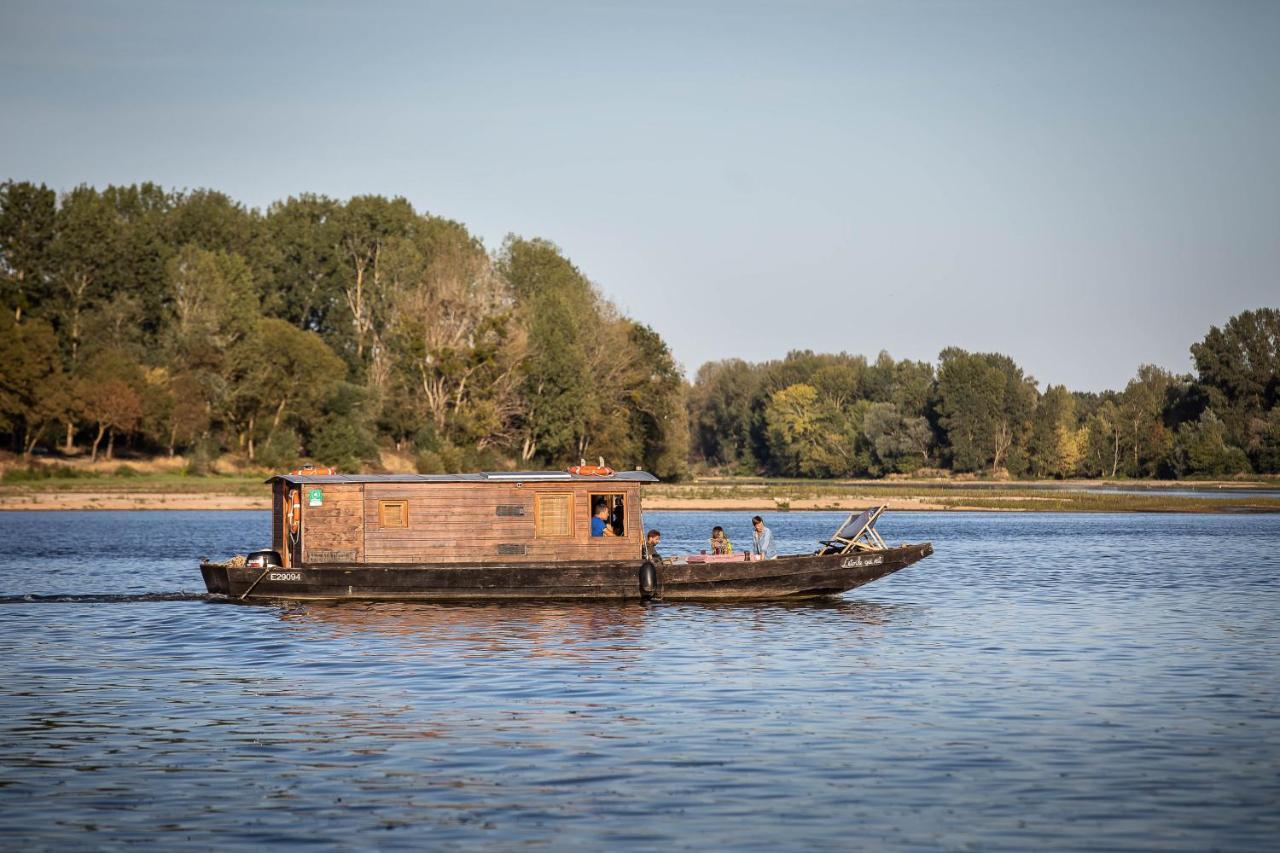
point(783, 578)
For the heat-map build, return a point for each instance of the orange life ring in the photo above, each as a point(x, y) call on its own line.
point(313, 471)
point(592, 470)
point(293, 510)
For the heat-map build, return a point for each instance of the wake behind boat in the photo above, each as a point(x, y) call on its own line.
point(515, 535)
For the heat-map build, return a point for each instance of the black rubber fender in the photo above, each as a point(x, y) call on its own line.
point(648, 580)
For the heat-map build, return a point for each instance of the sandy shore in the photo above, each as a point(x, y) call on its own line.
point(129, 500)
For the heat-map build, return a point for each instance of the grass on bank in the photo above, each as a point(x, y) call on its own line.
point(124, 479)
point(785, 494)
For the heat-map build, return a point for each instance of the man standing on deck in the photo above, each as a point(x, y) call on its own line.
point(762, 541)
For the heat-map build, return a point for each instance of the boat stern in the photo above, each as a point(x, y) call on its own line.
point(215, 578)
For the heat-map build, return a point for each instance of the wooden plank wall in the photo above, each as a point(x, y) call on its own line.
point(459, 522)
point(334, 532)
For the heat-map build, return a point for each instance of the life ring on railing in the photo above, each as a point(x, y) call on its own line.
point(592, 470)
point(293, 510)
point(313, 471)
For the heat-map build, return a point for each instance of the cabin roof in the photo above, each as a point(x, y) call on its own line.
point(480, 477)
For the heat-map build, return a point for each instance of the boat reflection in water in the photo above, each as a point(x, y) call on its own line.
point(569, 630)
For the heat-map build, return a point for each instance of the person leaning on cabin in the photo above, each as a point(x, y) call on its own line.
point(762, 541)
point(720, 543)
point(651, 540)
point(600, 519)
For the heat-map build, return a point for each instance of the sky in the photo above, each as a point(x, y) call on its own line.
point(1084, 186)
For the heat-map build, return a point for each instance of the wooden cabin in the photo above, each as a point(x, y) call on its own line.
point(507, 517)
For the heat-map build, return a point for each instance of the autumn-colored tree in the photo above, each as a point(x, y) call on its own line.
point(32, 388)
point(109, 396)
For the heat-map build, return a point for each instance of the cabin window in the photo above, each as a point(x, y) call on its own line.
point(393, 513)
point(553, 514)
point(616, 524)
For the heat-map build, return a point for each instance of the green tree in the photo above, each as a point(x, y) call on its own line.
point(343, 436)
point(453, 327)
point(28, 216)
point(1142, 406)
point(721, 411)
point(86, 254)
point(174, 411)
point(558, 311)
point(655, 398)
point(302, 276)
point(213, 304)
point(278, 372)
point(1240, 365)
point(901, 443)
point(1202, 448)
point(1104, 432)
point(364, 227)
point(985, 403)
point(1053, 447)
point(809, 436)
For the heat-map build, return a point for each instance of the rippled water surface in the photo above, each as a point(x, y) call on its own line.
point(1057, 681)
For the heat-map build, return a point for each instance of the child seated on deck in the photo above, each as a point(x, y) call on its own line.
point(720, 543)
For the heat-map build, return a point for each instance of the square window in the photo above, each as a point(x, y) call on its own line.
point(553, 514)
point(393, 513)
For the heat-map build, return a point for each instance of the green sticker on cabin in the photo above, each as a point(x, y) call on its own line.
point(315, 497)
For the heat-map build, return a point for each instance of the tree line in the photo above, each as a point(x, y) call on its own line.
point(821, 415)
point(183, 322)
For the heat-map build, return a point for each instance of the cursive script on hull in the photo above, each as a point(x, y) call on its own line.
point(860, 561)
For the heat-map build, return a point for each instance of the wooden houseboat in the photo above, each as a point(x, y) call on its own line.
point(513, 535)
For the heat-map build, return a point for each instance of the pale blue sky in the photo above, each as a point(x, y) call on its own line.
point(1083, 186)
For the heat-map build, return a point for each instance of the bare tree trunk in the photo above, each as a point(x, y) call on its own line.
point(1004, 438)
point(251, 420)
point(33, 435)
point(275, 422)
point(111, 444)
point(70, 446)
point(1137, 470)
point(93, 457)
point(1115, 454)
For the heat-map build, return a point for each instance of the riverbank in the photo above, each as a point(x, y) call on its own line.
point(244, 492)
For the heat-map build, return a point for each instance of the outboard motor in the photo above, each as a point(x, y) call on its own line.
point(262, 559)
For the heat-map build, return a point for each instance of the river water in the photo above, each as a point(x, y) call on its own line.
point(1049, 681)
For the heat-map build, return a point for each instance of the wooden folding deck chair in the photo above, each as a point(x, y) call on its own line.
point(857, 533)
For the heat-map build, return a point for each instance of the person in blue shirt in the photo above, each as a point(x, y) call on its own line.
point(600, 519)
point(762, 540)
